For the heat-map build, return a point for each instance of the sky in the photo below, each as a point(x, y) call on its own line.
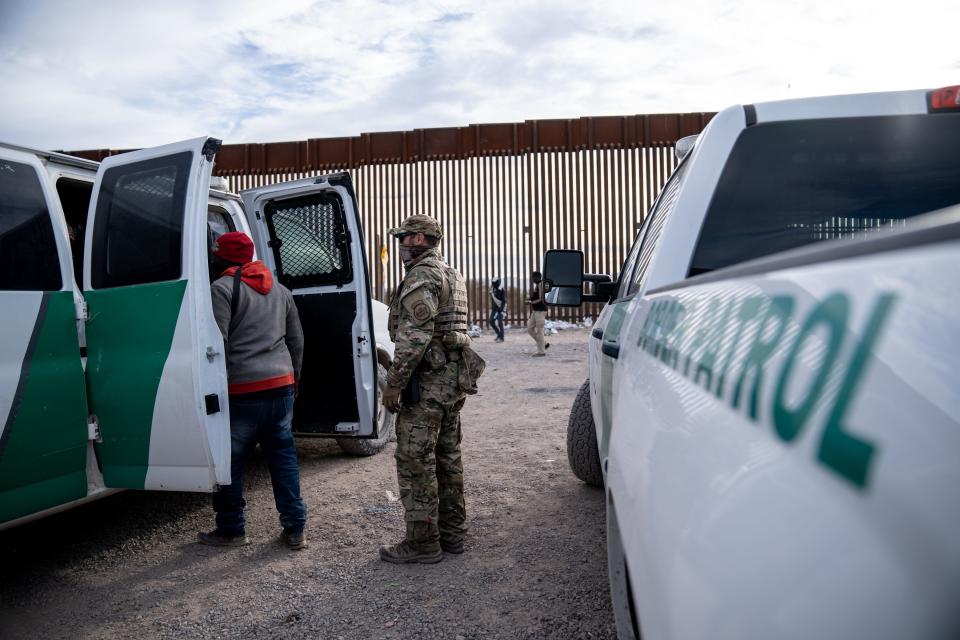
point(130, 74)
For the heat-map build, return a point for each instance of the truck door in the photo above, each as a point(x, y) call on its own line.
point(610, 326)
point(155, 370)
point(308, 233)
point(43, 407)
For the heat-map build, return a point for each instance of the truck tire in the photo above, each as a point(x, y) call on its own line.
point(385, 425)
point(582, 451)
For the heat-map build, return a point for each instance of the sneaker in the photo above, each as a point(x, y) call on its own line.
point(216, 539)
point(451, 546)
point(406, 553)
point(538, 355)
point(295, 541)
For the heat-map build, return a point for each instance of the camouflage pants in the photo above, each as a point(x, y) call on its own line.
point(429, 466)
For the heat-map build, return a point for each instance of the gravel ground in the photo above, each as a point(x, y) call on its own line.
point(535, 565)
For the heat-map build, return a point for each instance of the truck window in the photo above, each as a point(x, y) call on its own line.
point(789, 184)
point(625, 287)
point(139, 222)
point(309, 240)
point(28, 249)
point(653, 226)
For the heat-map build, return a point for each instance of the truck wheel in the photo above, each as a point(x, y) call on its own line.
point(385, 425)
point(582, 451)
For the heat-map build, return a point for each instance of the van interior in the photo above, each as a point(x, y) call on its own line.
point(75, 200)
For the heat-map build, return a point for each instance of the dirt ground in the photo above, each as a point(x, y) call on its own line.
point(535, 565)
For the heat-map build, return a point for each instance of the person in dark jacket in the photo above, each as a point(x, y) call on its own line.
point(263, 341)
point(498, 308)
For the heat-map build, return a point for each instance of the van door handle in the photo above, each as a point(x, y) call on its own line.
point(611, 349)
point(212, 401)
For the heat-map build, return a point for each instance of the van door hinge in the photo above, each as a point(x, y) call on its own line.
point(93, 429)
point(212, 353)
point(210, 148)
point(82, 312)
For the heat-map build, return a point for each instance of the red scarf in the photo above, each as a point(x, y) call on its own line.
point(255, 274)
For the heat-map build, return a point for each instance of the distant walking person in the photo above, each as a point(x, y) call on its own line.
point(264, 345)
point(498, 308)
point(538, 315)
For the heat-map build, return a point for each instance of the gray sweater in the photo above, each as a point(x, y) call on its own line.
point(264, 343)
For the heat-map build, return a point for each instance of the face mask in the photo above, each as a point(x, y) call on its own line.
point(409, 254)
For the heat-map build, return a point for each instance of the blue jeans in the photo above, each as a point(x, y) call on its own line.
point(264, 420)
point(496, 322)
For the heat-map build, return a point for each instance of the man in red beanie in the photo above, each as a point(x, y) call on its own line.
point(264, 345)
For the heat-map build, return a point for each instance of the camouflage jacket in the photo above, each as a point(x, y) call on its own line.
point(413, 315)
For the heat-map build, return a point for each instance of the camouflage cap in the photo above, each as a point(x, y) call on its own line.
point(426, 225)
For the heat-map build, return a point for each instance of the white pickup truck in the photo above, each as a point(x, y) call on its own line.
point(773, 417)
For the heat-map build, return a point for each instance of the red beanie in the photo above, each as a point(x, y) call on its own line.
point(235, 247)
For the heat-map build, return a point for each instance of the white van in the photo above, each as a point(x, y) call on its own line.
point(112, 373)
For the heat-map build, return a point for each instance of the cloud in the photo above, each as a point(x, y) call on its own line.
point(129, 74)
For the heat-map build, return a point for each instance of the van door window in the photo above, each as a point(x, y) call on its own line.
point(139, 222)
point(28, 250)
point(309, 240)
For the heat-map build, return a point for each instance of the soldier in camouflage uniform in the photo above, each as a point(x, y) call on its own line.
point(428, 323)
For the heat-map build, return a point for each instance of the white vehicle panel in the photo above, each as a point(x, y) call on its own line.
point(747, 534)
point(859, 105)
point(22, 308)
point(381, 330)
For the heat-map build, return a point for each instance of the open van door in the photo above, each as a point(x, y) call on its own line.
point(43, 404)
point(308, 233)
point(156, 374)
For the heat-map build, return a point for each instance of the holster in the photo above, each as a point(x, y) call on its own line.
point(410, 394)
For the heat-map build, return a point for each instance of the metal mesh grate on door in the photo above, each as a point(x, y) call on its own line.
point(311, 248)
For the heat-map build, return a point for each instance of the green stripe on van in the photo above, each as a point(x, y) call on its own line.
point(44, 461)
point(129, 334)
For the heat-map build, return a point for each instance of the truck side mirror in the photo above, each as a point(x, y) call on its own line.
point(563, 278)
